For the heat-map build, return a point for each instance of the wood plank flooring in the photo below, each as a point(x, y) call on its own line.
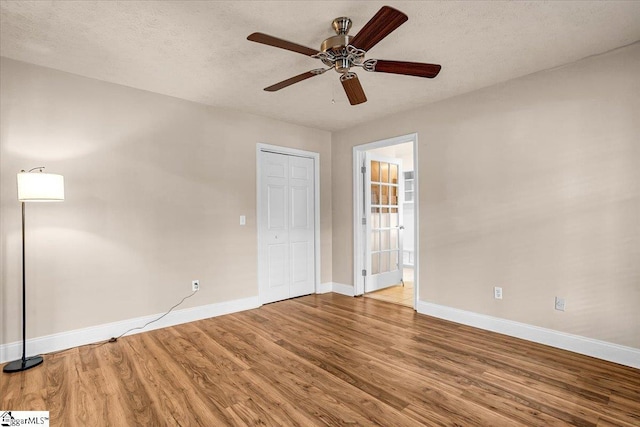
point(325, 360)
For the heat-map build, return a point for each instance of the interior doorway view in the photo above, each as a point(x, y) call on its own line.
point(287, 213)
point(383, 203)
point(402, 293)
point(386, 235)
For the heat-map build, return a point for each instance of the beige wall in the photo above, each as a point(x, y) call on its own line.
point(154, 190)
point(532, 185)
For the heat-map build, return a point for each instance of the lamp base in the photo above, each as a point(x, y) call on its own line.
point(23, 365)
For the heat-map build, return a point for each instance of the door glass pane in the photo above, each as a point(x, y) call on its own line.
point(394, 238)
point(384, 172)
point(375, 240)
point(394, 219)
point(393, 174)
point(375, 194)
point(384, 262)
point(385, 195)
point(394, 261)
point(384, 240)
point(375, 268)
point(394, 210)
point(375, 171)
point(384, 210)
point(394, 196)
point(375, 218)
point(385, 220)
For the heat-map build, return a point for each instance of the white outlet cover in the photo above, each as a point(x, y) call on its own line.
point(497, 292)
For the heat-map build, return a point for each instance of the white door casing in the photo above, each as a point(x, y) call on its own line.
point(383, 203)
point(286, 226)
point(359, 230)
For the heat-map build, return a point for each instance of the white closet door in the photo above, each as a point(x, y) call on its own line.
point(287, 234)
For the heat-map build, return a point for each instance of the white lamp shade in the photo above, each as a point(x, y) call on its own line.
point(40, 187)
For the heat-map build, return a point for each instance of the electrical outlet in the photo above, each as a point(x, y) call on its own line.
point(195, 285)
point(559, 304)
point(497, 292)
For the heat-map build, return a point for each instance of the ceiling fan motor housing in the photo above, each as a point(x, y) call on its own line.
point(336, 46)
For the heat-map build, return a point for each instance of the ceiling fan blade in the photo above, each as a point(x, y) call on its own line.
point(353, 88)
point(282, 44)
point(418, 69)
point(380, 26)
point(292, 80)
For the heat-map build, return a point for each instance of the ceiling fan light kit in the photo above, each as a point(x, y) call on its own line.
point(342, 52)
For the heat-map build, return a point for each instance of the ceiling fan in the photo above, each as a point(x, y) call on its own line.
point(343, 51)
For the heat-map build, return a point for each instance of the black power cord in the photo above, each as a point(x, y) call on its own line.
point(115, 339)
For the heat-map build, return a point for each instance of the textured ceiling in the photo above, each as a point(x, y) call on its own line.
point(197, 50)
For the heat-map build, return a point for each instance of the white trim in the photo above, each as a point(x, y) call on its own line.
point(338, 288)
point(416, 224)
point(578, 344)
point(93, 334)
point(342, 289)
point(324, 288)
point(316, 167)
point(358, 202)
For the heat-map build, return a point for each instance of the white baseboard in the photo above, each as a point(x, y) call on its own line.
point(627, 356)
point(339, 288)
point(324, 288)
point(93, 334)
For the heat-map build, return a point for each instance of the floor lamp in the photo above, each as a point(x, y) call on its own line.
point(33, 187)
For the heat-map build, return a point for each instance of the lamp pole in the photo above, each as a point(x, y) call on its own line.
point(24, 295)
point(23, 364)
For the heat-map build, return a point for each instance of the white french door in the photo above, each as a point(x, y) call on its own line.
point(383, 199)
point(286, 226)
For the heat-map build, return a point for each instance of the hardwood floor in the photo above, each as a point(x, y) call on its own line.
point(325, 360)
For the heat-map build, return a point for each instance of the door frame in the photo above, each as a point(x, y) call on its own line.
point(359, 240)
point(261, 147)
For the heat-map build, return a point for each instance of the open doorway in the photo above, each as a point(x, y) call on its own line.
point(386, 220)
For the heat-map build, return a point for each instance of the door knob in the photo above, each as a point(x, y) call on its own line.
point(401, 227)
